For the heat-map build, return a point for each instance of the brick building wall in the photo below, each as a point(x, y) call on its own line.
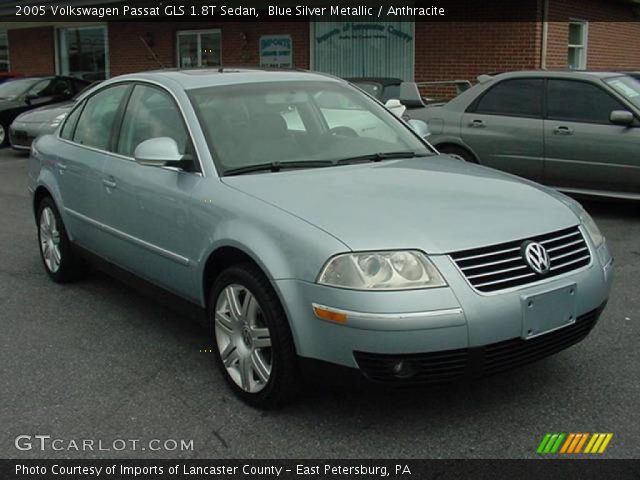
point(32, 51)
point(239, 43)
point(611, 46)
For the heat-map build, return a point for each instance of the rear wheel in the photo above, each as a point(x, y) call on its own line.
point(60, 261)
point(457, 152)
point(255, 348)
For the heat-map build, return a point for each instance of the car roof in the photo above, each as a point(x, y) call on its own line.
point(556, 74)
point(209, 77)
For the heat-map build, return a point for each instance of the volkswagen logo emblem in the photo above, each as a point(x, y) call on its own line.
point(536, 257)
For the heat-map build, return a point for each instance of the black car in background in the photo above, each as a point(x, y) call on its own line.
point(20, 95)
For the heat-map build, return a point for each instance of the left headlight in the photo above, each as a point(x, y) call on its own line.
point(395, 270)
point(58, 120)
point(592, 229)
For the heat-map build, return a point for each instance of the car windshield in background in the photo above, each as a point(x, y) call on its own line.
point(626, 86)
point(379, 91)
point(289, 123)
point(15, 88)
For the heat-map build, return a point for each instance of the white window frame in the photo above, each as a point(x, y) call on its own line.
point(198, 34)
point(581, 48)
point(58, 44)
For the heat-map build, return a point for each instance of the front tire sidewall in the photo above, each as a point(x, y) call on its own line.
point(281, 385)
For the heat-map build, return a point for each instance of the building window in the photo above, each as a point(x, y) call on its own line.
point(4, 52)
point(82, 52)
point(199, 48)
point(577, 45)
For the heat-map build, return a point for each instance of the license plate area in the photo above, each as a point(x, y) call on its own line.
point(548, 311)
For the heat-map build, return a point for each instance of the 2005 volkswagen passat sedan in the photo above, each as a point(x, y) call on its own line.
point(314, 227)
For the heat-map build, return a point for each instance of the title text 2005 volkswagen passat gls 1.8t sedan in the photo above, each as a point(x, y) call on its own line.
point(314, 227)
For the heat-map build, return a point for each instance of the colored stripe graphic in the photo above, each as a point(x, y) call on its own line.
point(581, 443)
point(551, 443)
point(598, 443)
point(573, 443)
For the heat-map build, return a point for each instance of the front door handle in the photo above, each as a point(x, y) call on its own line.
point(562, 130)
point(476, 124)
point(109, 183)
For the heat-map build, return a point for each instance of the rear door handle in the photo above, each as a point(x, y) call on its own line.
point(562, 130)
point(476, 124)
point(62, 167)
point(109, 183)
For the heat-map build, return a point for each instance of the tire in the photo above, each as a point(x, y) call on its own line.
point(459, 152)
point(254, 346)
point(61, 262)
point(4, 136)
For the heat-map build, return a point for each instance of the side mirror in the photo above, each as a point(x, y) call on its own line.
point(420, 127)
point(410, 95)
point(621, 117)
point(157, 152)
point(396, 107)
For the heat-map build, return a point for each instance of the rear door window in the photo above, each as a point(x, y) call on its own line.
point(98, 117)
point(516, 98)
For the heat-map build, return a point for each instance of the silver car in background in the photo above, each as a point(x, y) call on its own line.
point(575, 131)
point(312, 238)
point(40, 121)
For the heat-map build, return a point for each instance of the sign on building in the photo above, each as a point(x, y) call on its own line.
point(276, 51)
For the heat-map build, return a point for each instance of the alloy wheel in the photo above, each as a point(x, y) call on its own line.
point(50, 240)
point(3, 134)
point(243, 338)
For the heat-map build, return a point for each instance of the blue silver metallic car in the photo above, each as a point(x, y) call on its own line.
point(315, 228)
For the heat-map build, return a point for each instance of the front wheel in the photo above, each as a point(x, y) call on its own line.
point(256, 354)
point(458, 153)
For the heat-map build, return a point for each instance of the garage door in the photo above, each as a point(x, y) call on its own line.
point(364, 49)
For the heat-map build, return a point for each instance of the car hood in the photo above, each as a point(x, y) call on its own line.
point(435, 204)
point(44, 114)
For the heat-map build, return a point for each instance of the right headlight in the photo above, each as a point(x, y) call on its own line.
point(387, 270)
point(592, 229)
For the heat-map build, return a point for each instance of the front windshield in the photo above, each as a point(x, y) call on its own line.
point(254, 124)
point(15, 88)
point(626, 86)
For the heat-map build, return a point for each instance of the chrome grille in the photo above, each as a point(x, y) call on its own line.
point(502, 266)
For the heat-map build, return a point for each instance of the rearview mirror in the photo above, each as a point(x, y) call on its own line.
point(396, 107)
point(621, 117)
point(157, 152)
point(420, 127)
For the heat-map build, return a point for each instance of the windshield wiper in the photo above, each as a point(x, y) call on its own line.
point(380, 156)
point(277, 166)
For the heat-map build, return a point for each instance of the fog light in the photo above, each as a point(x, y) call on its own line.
point(403, 369)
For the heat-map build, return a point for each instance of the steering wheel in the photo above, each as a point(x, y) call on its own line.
point(343, 132)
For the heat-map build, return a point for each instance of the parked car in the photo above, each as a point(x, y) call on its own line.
point(385, 89)
point(575, 131)
point(326, 245)
point(19, 95)
point(28, 125)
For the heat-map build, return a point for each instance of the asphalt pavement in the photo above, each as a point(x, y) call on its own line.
point(96, 360)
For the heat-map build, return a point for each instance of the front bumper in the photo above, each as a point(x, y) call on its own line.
point(22, 135)
point(461, 329)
